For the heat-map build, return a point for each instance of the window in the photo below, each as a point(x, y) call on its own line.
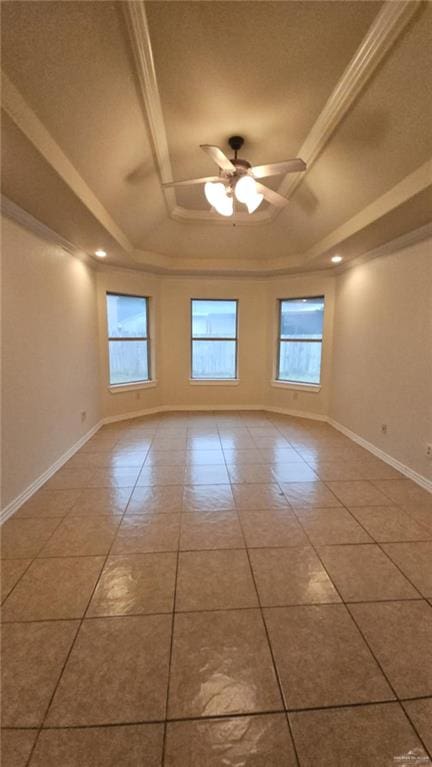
point(214, 339)
point(128, 339)
point(300, 339)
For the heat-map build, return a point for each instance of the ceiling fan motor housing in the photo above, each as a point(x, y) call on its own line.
point(236, 142)
point(241, 168)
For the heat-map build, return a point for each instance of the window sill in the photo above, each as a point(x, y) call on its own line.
point(214, 381)
point(298, 386)
point(119, 388)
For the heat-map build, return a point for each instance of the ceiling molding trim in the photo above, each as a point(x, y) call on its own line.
point(420, 234)
point(32, 127)
point(415, 183)
point(385, 29)
point(201, 216)
point(412, 237)
point(139, 35)
point(13, 211)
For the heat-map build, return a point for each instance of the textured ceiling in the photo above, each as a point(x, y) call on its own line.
point(261, 69)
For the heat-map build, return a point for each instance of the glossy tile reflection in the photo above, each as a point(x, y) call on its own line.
point(258, 741)
point(207, 590)
point(221, 664)
point(291, 576)
point(134, 584)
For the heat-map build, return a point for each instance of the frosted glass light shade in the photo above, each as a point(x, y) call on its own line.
point(214, 191)
point(245, 188)
point(246, 192)
point(225, 206)
point(254, 202)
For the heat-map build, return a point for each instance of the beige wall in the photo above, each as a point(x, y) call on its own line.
point(286, 397)
point(171, 342)
point(49, 356)
point(377, 357)
point(116, 402)
point(176, 343)
point(382, 360)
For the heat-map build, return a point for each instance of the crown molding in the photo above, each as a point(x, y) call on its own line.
point(385, 29)
point(33, 128)
point(13, 211)
point(157, 265)
point(382, 34)
point(420, 234)
point(416, 182)
point(139, 36)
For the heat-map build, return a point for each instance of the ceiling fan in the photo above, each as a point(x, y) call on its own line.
point(237, 179)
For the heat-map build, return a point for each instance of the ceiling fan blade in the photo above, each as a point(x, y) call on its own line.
point(218, 157)
point(274, 168)
point(271, 196)
point(190, 181)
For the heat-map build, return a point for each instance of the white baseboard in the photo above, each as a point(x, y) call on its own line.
point(211, 408)
point(297, 413)
point(130, 416)
point(14, 505)
point(176, 409)
point(406, 470)
point(17, 502)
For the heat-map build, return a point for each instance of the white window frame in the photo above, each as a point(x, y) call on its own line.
point(289, 383)
point(214, 381)
point(145, 382)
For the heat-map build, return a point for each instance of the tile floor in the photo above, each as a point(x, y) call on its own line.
point(217, 590)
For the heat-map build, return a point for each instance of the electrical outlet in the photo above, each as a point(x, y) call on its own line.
point(83, 415)
point(429, 450)
point(383, 428)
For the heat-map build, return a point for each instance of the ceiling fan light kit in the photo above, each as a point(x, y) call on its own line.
point(237, 178)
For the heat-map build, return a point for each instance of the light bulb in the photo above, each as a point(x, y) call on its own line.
point(245, 189)
point(225, 206)
point(254, 202)
point(214, 192)
point(336, 259)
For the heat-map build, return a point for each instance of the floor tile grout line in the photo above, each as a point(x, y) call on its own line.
point(162, 516)
point(387, 556)
point(247, 550)
point(213, 717)
point(355, 623)
point(270, 648)
point(171, 649)
point(275, 668)
point(74, 640)
point(373, 539)
point(285, 606)
point(32, 559)
point(414, 726)
point(385, 675)
point(3, 602)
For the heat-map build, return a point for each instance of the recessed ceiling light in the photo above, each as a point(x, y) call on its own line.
point(336, 259)
point(100, 253)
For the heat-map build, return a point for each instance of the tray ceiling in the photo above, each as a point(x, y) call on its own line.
point(102, 101)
